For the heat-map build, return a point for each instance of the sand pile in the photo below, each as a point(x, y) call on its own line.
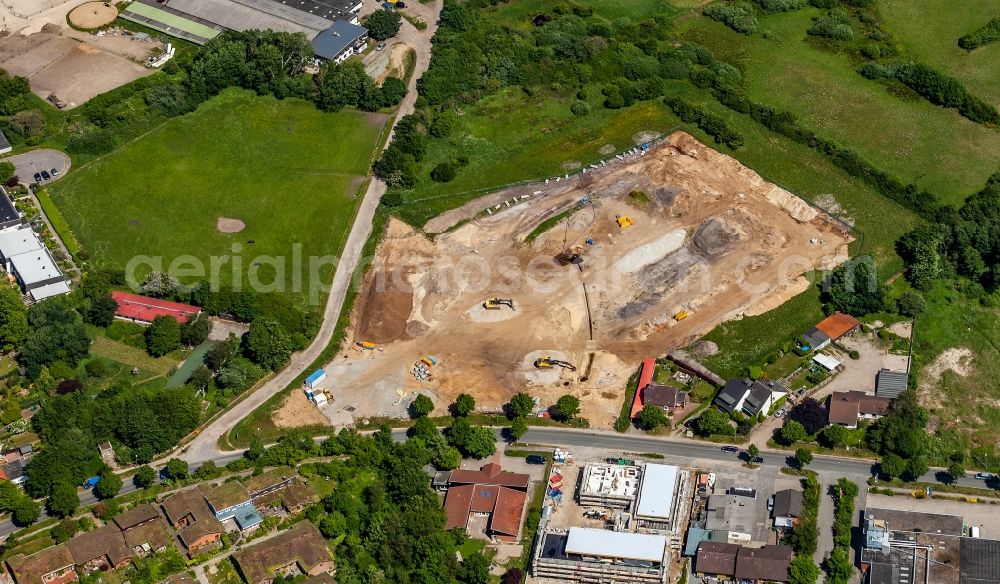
point(651, 252)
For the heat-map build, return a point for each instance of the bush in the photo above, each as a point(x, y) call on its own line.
point(444, 172)
point(989, 33)
point(95, 142)
point(580, 108)
point(772, 6)
point(835, 25)
point(712, 125)
point(738, 16)
point(855, 354)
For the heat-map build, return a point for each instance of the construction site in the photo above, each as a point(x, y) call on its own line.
point(562, 286)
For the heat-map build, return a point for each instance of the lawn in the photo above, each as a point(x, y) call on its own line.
point(288, 171)
point(929, 31)
point(749, 341)
point(511, 137)
point(934, 147)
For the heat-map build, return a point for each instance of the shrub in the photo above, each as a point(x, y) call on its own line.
point(855, 354)
point(580, 108)
point(772, 6)
point(871, 51)
point(738, 16)
point(835, 25)
point(444, 172)
point(989, 33)
point(712, 125)
point(94, 141)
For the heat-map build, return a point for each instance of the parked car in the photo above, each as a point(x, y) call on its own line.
point(45, 175)
point(38, 177)
point(621, 461)
point(534, 459)
point(54, 172)
point(380, 46)
point(985, 476)
point(781, 413)
point(732, 449)
point(757, 460)
point(800, 392)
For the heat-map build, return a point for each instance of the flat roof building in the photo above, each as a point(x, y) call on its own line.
point(731, 518)
point(890, 384)
point(24, 256)
point(144, 309)
point(588, 555)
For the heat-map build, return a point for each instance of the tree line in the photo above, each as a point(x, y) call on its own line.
point(986, 34)
point(265, 62)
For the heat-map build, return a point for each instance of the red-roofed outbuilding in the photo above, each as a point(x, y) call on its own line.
point(145, 309)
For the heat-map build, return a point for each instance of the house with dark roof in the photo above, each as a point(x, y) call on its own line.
point(491, 499)
point(101, 549)
point(758, 401)
point(299, 550)
point(664, 396)
point(5, 146)
point(890, 384)
point(732, 395)
point(13, 471)
point(847, 407)
point(726, 560)
point(342, 40)
point(52, 565)
point(188, 512)
point(143, 529)
point(786, 508)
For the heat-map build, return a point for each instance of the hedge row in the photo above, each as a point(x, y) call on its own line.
point(738, 16)
point(711, 124)
point(923, 203)
point(936, 88)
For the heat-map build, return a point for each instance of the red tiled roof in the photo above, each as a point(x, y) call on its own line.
point(490, 474)
point(507, 515)
point(837, 325)
point(456, 505)
point(648, 368)
point(146, 309)
point(484, 499)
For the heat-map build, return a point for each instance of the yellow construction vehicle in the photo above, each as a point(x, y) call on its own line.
point(624, 221)
point(365, 346)
point(495, 303)
point(546, 362)
point(681, 315)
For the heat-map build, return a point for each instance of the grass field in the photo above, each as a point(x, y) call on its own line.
point(934, 147)
point(929, 31)
point(287, 170)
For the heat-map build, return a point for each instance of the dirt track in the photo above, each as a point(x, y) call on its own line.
point(710, 238)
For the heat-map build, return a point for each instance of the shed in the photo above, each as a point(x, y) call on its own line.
point(890, 384)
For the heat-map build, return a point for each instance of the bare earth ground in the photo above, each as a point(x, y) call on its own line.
point(74, 65)
point(715, 241)
point(958, 360)
point(228, 225)
point(93, 14)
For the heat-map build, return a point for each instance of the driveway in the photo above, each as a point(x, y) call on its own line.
point(205, 445)
point(27, 164)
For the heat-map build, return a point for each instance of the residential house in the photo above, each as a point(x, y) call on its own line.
point(269, 482)
point(225, 499)
point(758, 401)
point(101, 549)
point(13, 471)
point(847, 407)
point(196, 525)
point(786, 508)
point(489, 493)
point(666, 397)
point(52, 565)
point(143, 529)
point(299, 550)
point(744, 564)
point(730, 398)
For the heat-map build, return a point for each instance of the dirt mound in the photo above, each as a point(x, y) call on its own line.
point(651, 252)
point(93, 15)
point(227, 225)
point(716, 236)
point(703, 349)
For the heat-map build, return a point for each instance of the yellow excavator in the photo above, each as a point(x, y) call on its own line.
point(546, 362)
point(495, 303)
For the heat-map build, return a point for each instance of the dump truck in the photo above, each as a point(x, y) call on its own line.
point(546, 362)
point(495, 303)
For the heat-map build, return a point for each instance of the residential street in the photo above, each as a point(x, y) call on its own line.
point(204, 446)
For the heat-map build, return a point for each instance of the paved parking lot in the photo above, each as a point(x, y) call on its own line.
point(27, 164)
point(985, 516)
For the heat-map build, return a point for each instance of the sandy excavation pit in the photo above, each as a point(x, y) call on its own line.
point(710, 238)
